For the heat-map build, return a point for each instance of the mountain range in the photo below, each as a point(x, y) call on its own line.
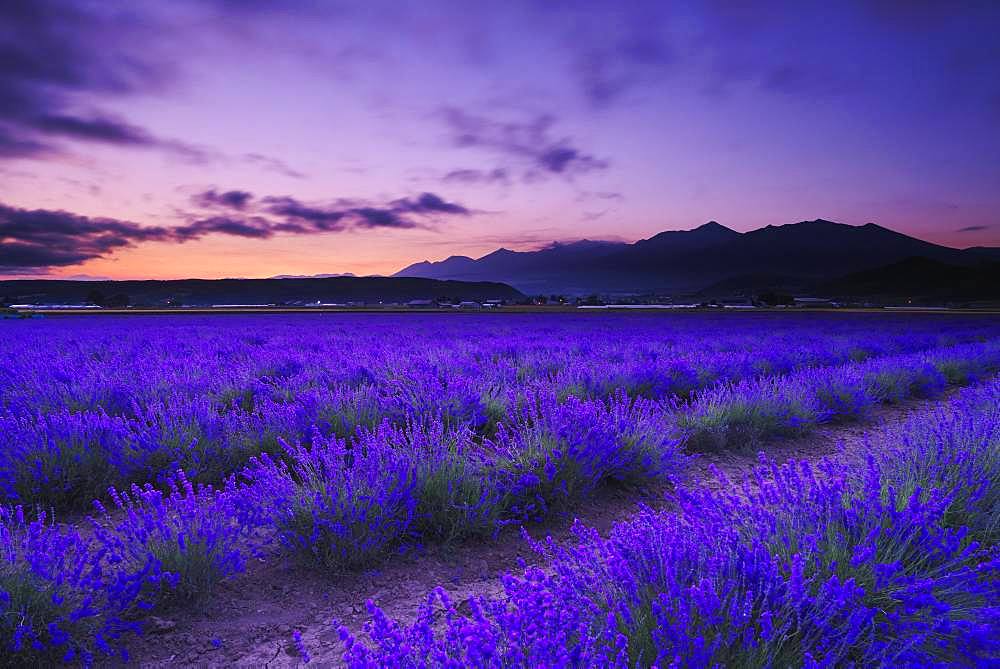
point(802, 256)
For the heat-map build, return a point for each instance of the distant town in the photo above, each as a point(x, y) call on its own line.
point(121, 303)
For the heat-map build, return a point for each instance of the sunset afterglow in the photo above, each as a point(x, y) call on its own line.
point(530, 122)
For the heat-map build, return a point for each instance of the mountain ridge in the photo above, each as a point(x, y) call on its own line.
point(690, 260)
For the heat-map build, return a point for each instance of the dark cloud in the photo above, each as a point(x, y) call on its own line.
point(53, 53)
point(315, 218)
point(529, 142)
point(99, 129)
point(33, 240)
point(43, 226)
point(231, 199)
point(374, 217)
point(562, 159)
point(974, 228)
point(14, 145)
point(428, 203)
point(345, 213)
point(56, 55)
point(43, 238)
point(254, 228)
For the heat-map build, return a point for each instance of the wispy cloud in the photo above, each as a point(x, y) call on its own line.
point(606, 71)
point(55, 53)
point(273, 165)
point(529, 143)
point(497, 175)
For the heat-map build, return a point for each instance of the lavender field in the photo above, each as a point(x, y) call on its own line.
point(147, 460)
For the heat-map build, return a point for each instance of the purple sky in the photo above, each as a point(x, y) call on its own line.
point(254, 138)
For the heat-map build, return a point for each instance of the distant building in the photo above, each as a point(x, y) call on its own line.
point(637, 306)
point(421, 304)
point(735, 302)
point(815, 302)
point(53, 307)
point(469, 305)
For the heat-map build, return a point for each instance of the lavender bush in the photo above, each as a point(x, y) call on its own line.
point(59, 600)
point(348, 439)
point(886, 561)
point(86, 404)
point(73, 595)
point(343, 506)
point(742, 414)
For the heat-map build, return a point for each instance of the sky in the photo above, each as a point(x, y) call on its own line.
point(253, 138)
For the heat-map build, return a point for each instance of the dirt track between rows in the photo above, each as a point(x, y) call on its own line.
point(249, 620)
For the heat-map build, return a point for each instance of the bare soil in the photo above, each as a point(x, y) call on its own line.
point(249, 620)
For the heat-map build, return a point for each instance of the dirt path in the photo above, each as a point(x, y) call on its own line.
point(249, 620)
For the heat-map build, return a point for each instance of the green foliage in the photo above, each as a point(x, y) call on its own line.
point(456, 500)
point(69, 476)
point(29, 601)
point(194, 569)
point(743, 424)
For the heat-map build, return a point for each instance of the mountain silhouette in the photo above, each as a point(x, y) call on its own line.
point(920, 280)
point(806, 253)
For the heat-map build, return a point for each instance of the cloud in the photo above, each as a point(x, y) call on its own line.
point(528, 142)
point(230, 199)
point(273, 165)
point(40, 238)
point(325, 219)
point(498, 175)
point(563, 159)
point(428, 203)
point(298, 217)
point(588, 195)
point(344, 213)
point(373, 217)
point(14, 145)
point(974, 228)
point(606, 71)
point(56, 54)
point(254, 228)
point(96, 128)
point(110, 130)
point(36, 239)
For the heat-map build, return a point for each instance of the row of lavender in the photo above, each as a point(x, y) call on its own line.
point(891, 561)
point(342, 504)
point(86, 403)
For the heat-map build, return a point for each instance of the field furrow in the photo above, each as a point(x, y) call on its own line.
point(253, 618)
